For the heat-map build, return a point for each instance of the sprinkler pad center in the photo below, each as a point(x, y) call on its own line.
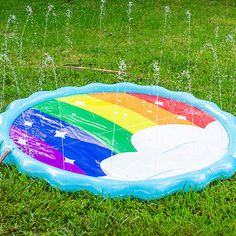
point(120, 140)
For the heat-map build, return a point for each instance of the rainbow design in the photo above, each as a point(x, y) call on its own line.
point(76, 133)
point(119, 140)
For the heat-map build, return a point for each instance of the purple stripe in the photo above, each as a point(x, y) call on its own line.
point(40, 150)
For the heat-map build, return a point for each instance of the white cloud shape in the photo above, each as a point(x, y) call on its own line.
point(168, 150)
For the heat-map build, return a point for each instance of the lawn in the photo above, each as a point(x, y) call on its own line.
point(193, 43)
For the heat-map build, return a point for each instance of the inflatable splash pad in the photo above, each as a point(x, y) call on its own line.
point(120, 140)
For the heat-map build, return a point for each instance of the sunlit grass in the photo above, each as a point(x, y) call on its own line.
point(29, 206)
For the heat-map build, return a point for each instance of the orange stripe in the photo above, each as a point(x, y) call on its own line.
point(146, 109)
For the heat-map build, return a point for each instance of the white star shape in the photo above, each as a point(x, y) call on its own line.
point(70, 161)
point(159, 103)
point(182, 117)
point(80, 102)
point(60, 134)
point(28, 123)
point(22, 141)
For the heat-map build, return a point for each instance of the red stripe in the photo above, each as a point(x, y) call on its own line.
point(193, 114)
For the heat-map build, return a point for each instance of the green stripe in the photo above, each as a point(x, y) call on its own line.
point(102, 129)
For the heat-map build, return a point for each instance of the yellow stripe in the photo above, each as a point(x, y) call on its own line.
point(123, 117)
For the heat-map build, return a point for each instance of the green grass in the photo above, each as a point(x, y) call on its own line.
point(32, 207)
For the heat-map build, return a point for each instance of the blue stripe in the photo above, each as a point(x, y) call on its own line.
point(77, 144)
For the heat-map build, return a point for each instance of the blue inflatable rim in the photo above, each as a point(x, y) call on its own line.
point(147, 190)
